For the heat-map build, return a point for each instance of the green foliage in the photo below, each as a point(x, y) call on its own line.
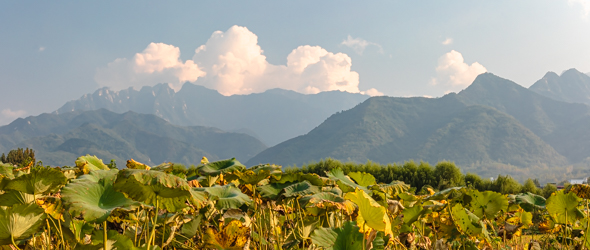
point(19, 157)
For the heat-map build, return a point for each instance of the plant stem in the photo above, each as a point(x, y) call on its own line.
point(14, 244)
point(104, 231)
point(152, 235)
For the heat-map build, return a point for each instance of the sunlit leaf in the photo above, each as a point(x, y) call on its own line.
point(371, 214)
point(563, 207)
point(345, 237)
point(487, 204)
point(232, 236)
point(20, 222)
point(88, 163)
point(219, 167)
point(39, 181)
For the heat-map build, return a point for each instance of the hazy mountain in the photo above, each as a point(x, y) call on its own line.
point(273, 116)
point(59, 139)
point(491, 125)
point(571, 86)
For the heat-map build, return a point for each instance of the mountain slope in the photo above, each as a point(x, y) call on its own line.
point(571, 86)
point(58, 139)
point(273, 116)
point(556, 122)
point(387, 129)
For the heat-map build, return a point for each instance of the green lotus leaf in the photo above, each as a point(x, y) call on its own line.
point(250, 177)
point(444, 194)
point(192, 227)
point(300, 189)
point(198, 198)
point(521, 217)
point(272, 191)
point(335, 190)
point(12, 197)
point(314, 179)
point(20, 222)
point(344, 182)
point(412, 214)
point(151, 187)
point(95, 199)
point(38, 181)
point(467, 222)
point(345, 237)
point(530, 202)
point(487, 204)
point(370, 214)
point(88, 163)
point(227, 196)
point(392, 189)
point(222, 167)
point(363, 179)
point(562, 207)
point(6, 171)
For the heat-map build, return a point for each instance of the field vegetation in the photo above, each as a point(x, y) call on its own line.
point(225, 205)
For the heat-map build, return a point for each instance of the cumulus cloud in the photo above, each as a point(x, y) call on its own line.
point(7, 115)
point(447, 41)
point(158, 63)
point(359, 45)
point(232, 62)
point(454, 74)
point(372, 92)
point(584, 4)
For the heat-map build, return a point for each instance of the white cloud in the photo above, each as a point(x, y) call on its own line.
point(372, 92)
point(359, 45)
point(158, 63)
point(232, 62)
point(448, 41)
point(454, 74)
point(584, 4)
point(7, 115)
point(41, 49)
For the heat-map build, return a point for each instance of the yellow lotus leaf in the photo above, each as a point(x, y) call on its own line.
point(371, 214)
point(132, 164)
point(232, 236)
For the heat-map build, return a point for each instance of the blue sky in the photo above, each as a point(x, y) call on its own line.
point(51, 53)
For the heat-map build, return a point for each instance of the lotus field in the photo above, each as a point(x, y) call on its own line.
point(224, 205)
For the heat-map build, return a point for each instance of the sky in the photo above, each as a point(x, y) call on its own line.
point(51, 53)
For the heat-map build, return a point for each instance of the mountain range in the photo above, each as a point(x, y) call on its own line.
point(493, 125)
point(59, 139)
point(571, 86)
point(273, 116)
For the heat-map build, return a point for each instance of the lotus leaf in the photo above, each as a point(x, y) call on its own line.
point(444, 194)
point(521, 217)
point(581, 190)
point(392, 189)
point(363, 179)
point(562, 207)
point(344, 182)
point(412, 214)
point(300, 189)
point(467, 222)
point(197, 197)
point(190, 228)
point(222, 167)
point(371, 214)
point(529, 202)
point(12, 197)
point(272, 191)
point(314, 179)
point(487, 204)
point(328, 201)
point(226, 196)
point(6, 170)
point(249, 176)
point(232, 236)
point(88, 163)
point(151, 187)
point(345, 237)
point(132, 164)
point(39, 181)
point(95, 199)
point(20, 222)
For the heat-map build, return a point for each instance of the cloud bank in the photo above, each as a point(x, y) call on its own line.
point(232, 62)
point(583, 4)
point(453, 74)
point(359, 45)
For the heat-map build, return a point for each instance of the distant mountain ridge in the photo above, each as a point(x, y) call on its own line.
point(58, 139)
point(273, 116)
point(492, 123)
point(571, 86)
